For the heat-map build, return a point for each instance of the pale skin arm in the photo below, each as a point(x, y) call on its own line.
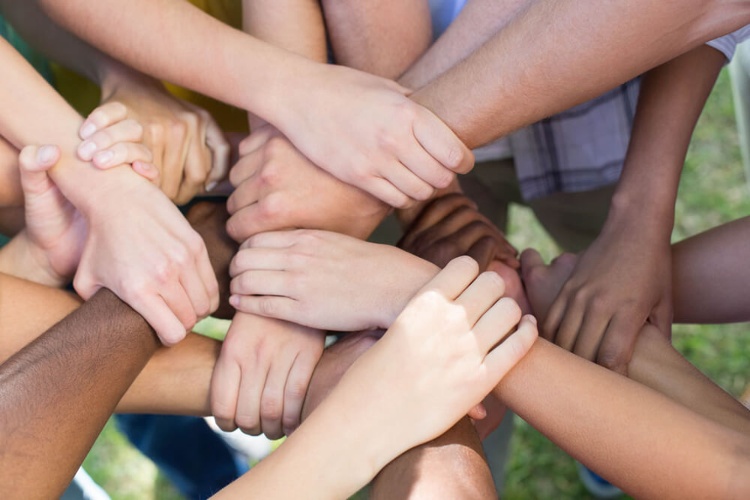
point(624, 277)
point(380, 132)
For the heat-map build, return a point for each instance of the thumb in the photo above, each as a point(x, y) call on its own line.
point(34, 162)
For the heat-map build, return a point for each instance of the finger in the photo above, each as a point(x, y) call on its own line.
point(433, 213)
point(196, 292)
point(252, 382)
point(495, 324)
point(220, 151)
point(275, 239)
point(256, 139)
point(478, 229)
point(408, 182)
point(225, 388)
point(570, 326)
point(124, 131)
point(282, 308)
point(153, 141)
point(147, 170)
point(102, 117)
point(122, 153)
point(248, 222)
point(454, 278)
point(256, 259)
point(246, 193)
point(662, 317)
point(619, 341)
point(194, 175)
point(483, 251)
point(555, 316)
point(247, 166)
point(481, 295)
point(160, 315)
point(179, 303)
point(592, 331)
point(34, 162)
point(296, 390)
point(276, 283)
point(175, 155)
point(441, 143)
point(208, 278)
point(479, 412)
point(272, 396)
point(427, 168)
point(507, 354)
point(387, 193)
point(530, 259)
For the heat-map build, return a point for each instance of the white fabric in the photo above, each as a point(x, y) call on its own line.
point(727, 44)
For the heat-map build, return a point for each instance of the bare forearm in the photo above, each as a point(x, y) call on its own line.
point(658, 365)
point(558, 54)
point(381, 37)
point(56, 43)
point(671, 100)
point(174, 41)
point(710, 275)
point(611, 433)
point(478, 21)
point(63, 387)
point(295, 25)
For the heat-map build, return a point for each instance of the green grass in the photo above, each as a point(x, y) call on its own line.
point(713, 190)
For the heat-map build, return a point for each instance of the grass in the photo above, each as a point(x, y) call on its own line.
point(713, 190)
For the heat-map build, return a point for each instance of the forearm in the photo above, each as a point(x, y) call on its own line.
point(477, 22)
point(536, 67)
point(173, 40)
point(611, 434)
point(33, 113)
point(11, 194)
point(57, 44)
point(294, 25)
point(383, 37)
point(69, 381)
point(710, 275)
point(658, 365)
point(671, 100)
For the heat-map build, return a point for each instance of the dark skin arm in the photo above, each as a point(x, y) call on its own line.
point(77, 372)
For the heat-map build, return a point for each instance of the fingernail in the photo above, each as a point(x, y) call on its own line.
point(211, 185)
point(234, 300)
point(87, 130)
point(46, 154)
point(103, 158)
point(86, 150)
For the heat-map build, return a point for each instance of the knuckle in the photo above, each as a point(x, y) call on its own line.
point(178, 129)
point(155, 131)
point(273, 207)
point(271, 407)
point(267, 306)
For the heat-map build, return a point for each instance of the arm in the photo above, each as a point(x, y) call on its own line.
point(166, 276)
point(353, 125)
point(542, 66)
point(189, 148)
point(624, 278)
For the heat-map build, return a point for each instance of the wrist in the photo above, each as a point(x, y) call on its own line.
point(641, 212)
point(23, 259)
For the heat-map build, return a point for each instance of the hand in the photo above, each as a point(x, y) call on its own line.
point(446, 351)
point(623, 280)
point(189, 150)
point(450, 226)
point(261, 376)
point(55, 230)
point(141, 248)
point(365, 131)
point(543, 282)
point(115, 140)
point(325, 280)
point(278, 188)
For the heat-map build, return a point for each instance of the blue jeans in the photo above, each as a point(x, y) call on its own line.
point(186, 450)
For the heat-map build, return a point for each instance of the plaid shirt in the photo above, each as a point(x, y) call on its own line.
point(580, 149)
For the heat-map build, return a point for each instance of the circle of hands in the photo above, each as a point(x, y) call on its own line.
point(290, 286)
